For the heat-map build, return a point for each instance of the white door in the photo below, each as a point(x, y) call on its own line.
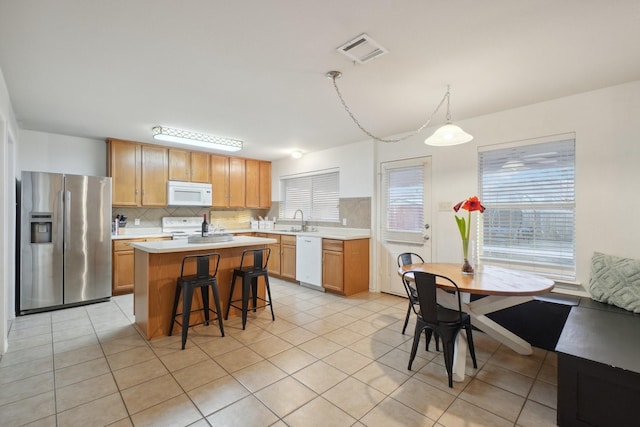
point(405, 216)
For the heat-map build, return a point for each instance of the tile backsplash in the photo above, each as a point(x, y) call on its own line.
point(357, 212)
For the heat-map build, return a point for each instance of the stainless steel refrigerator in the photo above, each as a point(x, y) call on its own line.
point(65, 241)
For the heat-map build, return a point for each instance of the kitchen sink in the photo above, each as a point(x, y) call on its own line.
point(299, 230)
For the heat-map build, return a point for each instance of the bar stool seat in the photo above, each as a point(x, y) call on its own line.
point(249, 275)
point(185, 284)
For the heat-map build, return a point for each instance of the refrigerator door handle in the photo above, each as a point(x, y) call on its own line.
point(59, 236)
point(67, 219)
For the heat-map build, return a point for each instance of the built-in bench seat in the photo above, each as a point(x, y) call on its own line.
point(599, 366)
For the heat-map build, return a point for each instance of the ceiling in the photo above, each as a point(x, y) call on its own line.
point(254, 70)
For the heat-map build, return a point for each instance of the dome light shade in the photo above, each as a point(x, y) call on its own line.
point(447, 135)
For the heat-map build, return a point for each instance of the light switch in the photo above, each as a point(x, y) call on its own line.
point(445, 206)
point(136, 221)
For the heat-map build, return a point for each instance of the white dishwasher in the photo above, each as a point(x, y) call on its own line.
point(309, 261)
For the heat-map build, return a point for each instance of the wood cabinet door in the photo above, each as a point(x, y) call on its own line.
point(154, 176)
point(200, 170)
point(274, 260)
point(288, 261)
point(332, 271)
point(179, 165)
point(265, 185)
point(122, 272)
point(252, 183)
point(236, 182)
point(124, 169)
point(220, 181)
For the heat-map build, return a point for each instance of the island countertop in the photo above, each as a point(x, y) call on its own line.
point(170, 246)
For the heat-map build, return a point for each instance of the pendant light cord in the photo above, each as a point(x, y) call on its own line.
point(335, 74)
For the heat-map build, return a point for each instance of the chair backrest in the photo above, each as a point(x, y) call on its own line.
point(260, 258)
point(426, 286)
point(203, 262)
point(407, 258)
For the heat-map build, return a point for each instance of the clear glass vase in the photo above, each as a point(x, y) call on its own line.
point(468, 256)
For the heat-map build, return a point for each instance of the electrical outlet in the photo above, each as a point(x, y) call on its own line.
point(136, 221)
point(344, 221)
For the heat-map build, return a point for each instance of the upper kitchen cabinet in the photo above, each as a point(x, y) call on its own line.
point(124, 166)
point(228, 181)
point(252, 183)
point(139, 173)
point(219, 181)
point(189, 166)
point(258, 184)
point(154, 175)
point(265, 185)
point(237, 186)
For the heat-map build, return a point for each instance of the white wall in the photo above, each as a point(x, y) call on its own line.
point(355, 162)
point(47, 152)
point(8, 132)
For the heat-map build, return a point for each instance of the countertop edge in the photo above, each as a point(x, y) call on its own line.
point(328, 234)
point(169, 246)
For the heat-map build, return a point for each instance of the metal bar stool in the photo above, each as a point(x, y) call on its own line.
point(250, 275)
point(203, 279)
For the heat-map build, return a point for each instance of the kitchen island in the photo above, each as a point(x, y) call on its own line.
point(157, 266)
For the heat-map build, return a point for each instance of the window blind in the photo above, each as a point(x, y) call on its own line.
point(529, 193)
point(317, 195)
point(403, 209)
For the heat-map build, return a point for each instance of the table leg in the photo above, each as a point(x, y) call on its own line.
point(477, 310)
point(460, 357)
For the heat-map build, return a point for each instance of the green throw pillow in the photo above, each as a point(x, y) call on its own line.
point(615, 281)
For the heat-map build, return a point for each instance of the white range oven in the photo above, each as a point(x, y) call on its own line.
point(181, 227)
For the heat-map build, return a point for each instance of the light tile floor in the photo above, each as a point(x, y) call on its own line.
point(325, 361)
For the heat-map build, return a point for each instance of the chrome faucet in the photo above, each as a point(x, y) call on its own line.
point(302, 227)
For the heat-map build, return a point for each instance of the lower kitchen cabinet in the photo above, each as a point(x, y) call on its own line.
point(122, 266)
point(288, 257)
point(274, 258)
point(345, 266)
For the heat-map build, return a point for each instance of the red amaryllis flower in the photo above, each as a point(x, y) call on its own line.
point(470, 205)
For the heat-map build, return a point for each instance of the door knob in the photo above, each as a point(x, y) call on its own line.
point(426, 226)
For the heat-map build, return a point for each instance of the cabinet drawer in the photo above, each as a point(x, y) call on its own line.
point(288, 240)
point(153, 239)
point(273, 236)
point(332, 245)
point(124, 245)
point(269, 236)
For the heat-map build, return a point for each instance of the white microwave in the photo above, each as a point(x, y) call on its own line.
point(188, 194)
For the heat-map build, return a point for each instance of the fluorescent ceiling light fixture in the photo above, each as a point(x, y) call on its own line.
point(296, 154)
point(195, 139)
point(448, 134)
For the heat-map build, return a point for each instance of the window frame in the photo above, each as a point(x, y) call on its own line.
point(401, 233)
point(550, 210)
point(316, 193)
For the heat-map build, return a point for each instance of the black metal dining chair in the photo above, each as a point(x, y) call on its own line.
point(433, 318)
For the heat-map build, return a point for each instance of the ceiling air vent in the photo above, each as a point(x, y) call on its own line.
point(362, 49)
